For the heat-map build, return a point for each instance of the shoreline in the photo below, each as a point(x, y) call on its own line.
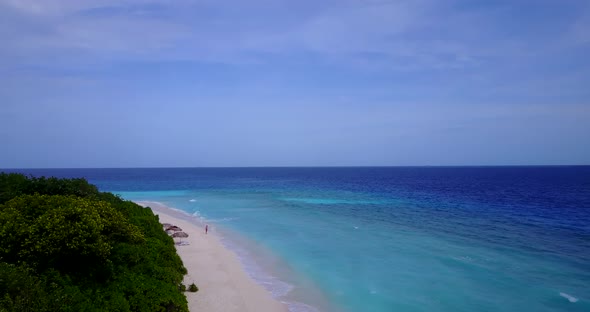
point(223, 283)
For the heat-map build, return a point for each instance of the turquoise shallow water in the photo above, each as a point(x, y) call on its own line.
point(362, 263)
point(392, 239)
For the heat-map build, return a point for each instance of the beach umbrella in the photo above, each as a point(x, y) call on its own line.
point(180, 235)
point(167, 225)
point(173, 228)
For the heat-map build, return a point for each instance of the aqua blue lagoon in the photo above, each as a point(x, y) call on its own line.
point(389, 238)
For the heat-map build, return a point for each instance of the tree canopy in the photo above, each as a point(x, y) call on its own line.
point(65, 246)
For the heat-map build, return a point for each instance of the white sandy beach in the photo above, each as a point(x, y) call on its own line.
point(223, 284)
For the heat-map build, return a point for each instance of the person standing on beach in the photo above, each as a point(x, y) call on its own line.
point(206, 228)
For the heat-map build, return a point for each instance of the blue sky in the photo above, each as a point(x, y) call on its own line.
point(293, 83)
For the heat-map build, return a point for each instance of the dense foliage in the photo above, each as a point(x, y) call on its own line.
point(65, 246)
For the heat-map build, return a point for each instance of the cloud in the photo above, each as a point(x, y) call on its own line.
point(421, 45)
point(394, 34)
point(580, 30)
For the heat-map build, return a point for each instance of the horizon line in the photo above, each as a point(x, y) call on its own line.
point(262, 167)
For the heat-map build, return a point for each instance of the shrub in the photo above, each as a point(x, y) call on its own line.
point(65, 246)
point(193, 288)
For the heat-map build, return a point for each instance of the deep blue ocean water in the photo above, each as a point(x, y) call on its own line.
point(390, 238)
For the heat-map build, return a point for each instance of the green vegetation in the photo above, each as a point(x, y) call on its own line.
point(65, 246)
point(193, 288)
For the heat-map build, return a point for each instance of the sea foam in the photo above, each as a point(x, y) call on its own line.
point(570, 298)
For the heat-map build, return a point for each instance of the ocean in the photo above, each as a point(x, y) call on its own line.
point(389, 238)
